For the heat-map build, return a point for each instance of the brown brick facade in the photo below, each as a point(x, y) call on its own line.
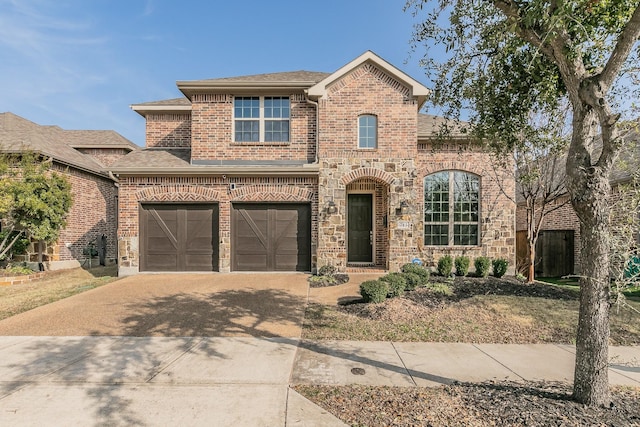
point(392, 172)
point(92, 214)
point(212, 120)
point(168, 130)
point(211, 189)
point(105, 156)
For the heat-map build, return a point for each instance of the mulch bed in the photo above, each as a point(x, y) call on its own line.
point(465, 404)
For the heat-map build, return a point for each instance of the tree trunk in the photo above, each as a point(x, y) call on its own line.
point(591, 381)
point(532, 262)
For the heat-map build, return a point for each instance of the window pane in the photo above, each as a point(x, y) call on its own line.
point(367, 131)
point(247, 131)
point(436, 197)
point(437, 235)
point(465, 197)
point(466, 234)
point(246, 107)
point(276, 131)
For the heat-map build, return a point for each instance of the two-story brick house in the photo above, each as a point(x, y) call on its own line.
point(82, 156)
point(291, 171)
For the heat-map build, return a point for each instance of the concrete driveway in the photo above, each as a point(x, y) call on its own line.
point(175, 305)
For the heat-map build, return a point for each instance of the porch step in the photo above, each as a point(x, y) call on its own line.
point(379, 270)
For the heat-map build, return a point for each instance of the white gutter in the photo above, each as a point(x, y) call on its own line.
point(309, 101)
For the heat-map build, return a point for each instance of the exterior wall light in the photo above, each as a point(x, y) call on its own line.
point(331, 208)
point(403, 209)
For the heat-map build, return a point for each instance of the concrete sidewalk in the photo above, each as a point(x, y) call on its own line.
point(243, 381)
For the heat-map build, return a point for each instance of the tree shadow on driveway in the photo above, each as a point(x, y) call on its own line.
point(246, 312)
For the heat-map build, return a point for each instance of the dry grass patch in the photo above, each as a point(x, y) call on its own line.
point(479, 311)
point(55, 286)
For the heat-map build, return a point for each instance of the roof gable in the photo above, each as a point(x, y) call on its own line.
point(18, 135)
point(419, 91)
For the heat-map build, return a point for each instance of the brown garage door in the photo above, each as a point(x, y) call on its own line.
point(273, 237)
point(178, 237)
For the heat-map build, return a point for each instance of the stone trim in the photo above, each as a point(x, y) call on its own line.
point(177, 193)
point(271, 193)
point(371, 173)
point(453, 165)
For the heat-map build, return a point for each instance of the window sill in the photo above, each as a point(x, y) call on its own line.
point(452, 246)
point(269, 144)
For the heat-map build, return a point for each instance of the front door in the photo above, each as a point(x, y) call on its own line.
point(360, 232)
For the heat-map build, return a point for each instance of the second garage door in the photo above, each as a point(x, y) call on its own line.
point(177, 237)
point(272, 237)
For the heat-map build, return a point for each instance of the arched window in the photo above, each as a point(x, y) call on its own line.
point(451, 209)
point(367, 131)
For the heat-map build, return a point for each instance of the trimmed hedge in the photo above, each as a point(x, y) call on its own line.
point(482, 264)
point(397, 284)
point(413, 281)
point(500, 267)
point(421, 271)
point(462, 265)
point(374, 290)
point(445, 264)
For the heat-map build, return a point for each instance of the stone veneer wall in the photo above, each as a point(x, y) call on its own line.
point(497, 209)
point(210, 189)
point(391, 165)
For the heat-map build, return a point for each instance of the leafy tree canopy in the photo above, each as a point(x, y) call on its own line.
point(33, 199)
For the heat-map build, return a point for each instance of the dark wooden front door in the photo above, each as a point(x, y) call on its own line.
point(360, 232)
point(271, 237)
point(178, 237)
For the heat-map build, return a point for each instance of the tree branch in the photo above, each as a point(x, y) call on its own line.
point(626, 41)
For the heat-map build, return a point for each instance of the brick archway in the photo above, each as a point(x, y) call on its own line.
point(271, 193)
point(177, 193)
point(370, 173)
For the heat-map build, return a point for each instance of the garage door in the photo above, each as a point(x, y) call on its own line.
point(274, 237)
point(178, 237)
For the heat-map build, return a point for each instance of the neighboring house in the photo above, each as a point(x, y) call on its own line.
point(81, 156)
point(558, 245)
point(292, 171)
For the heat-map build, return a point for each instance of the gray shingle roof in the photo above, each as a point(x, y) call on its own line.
point(166, 102)
point(155, 158)
point(430, 126)
point(97, 139)
point(287, 76)
point(18, 134)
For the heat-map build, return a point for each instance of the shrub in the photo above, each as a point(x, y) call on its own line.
point(374, 290)
point(482, 264)
point(421, 271)
point(500, 267)
point(397, 284)
point(440, 289)
point(462, 265)
point(413, 281)
point(327, 270)
point(18, 270)
point(445, 264)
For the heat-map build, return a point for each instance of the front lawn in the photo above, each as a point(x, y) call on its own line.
point(479, 311)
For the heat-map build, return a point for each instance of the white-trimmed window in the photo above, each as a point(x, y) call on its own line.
point(261, 118)
point(367, 131)
point(451, 209)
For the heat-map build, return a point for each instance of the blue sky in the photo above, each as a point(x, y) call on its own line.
point(80, 64)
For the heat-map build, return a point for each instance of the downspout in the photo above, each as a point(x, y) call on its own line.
point(306, 98)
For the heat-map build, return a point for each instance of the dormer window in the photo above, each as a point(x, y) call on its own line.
point(261, 118)
point(367, 131)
